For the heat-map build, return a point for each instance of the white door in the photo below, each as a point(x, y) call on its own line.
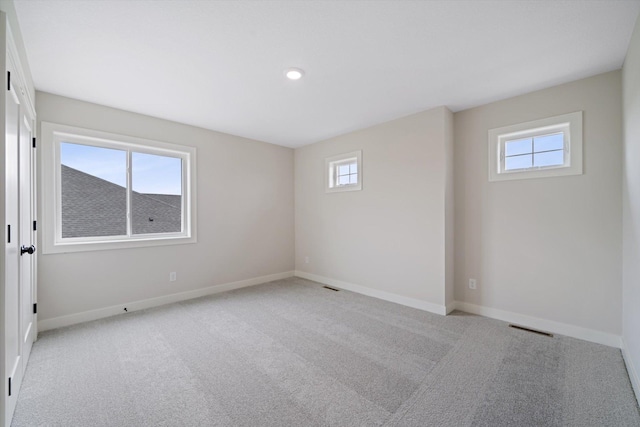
point(27, 237)
point(13, 341)
point(20, 327)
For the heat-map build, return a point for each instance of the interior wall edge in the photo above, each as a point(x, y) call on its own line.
point(546, 325)
point(87, 316)
point(453, 305)
point(633, 374)
point(386, 296)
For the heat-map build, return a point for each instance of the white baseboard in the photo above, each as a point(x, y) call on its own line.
point(631, 370)
point(86, 316)
point(573, 331)
point(387, 296)
point(507, 316)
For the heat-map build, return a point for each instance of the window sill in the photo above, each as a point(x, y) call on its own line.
point(103, 245)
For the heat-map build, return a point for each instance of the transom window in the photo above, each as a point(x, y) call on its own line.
point(534, 152)
point(347, 173)
point(108, 191)
point(344, 172)
point(542, 148)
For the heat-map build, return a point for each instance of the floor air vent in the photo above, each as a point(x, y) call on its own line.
point(522, 328)
point(331, 289)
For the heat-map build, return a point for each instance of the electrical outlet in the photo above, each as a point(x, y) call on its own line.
point(306, 260)
point(172, 276)
point(472, 283)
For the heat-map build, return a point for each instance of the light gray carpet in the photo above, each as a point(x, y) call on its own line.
point(291, 353)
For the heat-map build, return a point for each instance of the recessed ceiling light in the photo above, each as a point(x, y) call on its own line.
point(294, 73)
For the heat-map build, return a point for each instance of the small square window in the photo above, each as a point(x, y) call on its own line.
point(542, 148)
point(344, 172)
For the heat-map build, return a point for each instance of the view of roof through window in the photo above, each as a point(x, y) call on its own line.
point(94, 192)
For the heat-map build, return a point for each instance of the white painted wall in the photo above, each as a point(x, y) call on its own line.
point(391, 237)
point(631, 210)
point(545, 248)
point(244, 208)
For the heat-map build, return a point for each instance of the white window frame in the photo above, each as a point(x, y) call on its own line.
point(569, 124)
point(53, 134)
point(331, 172)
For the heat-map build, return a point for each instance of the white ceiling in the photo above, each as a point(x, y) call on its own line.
point(220, 64)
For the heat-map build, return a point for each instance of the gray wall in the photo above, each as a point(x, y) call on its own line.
point(631, 210)
point(547, 248)
point(244, 208)
point(391, 237)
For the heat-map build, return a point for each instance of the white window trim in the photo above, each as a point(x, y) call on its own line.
point(52, 134)
point(330, 164)
point(570, 124)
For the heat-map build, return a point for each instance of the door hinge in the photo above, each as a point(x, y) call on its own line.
point(9, 386)
point(34, 142)
point(35, 308)
point(8, 80)
point(35, 225)
point(8, 233)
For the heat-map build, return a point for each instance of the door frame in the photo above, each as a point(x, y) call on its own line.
point(10, 61)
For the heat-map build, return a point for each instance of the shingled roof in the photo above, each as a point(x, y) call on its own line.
point(92, 206)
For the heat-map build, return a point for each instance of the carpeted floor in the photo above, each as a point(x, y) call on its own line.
point(291, 353)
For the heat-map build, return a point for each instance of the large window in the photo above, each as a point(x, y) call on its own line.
point(542, 148)
point(106, 191)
